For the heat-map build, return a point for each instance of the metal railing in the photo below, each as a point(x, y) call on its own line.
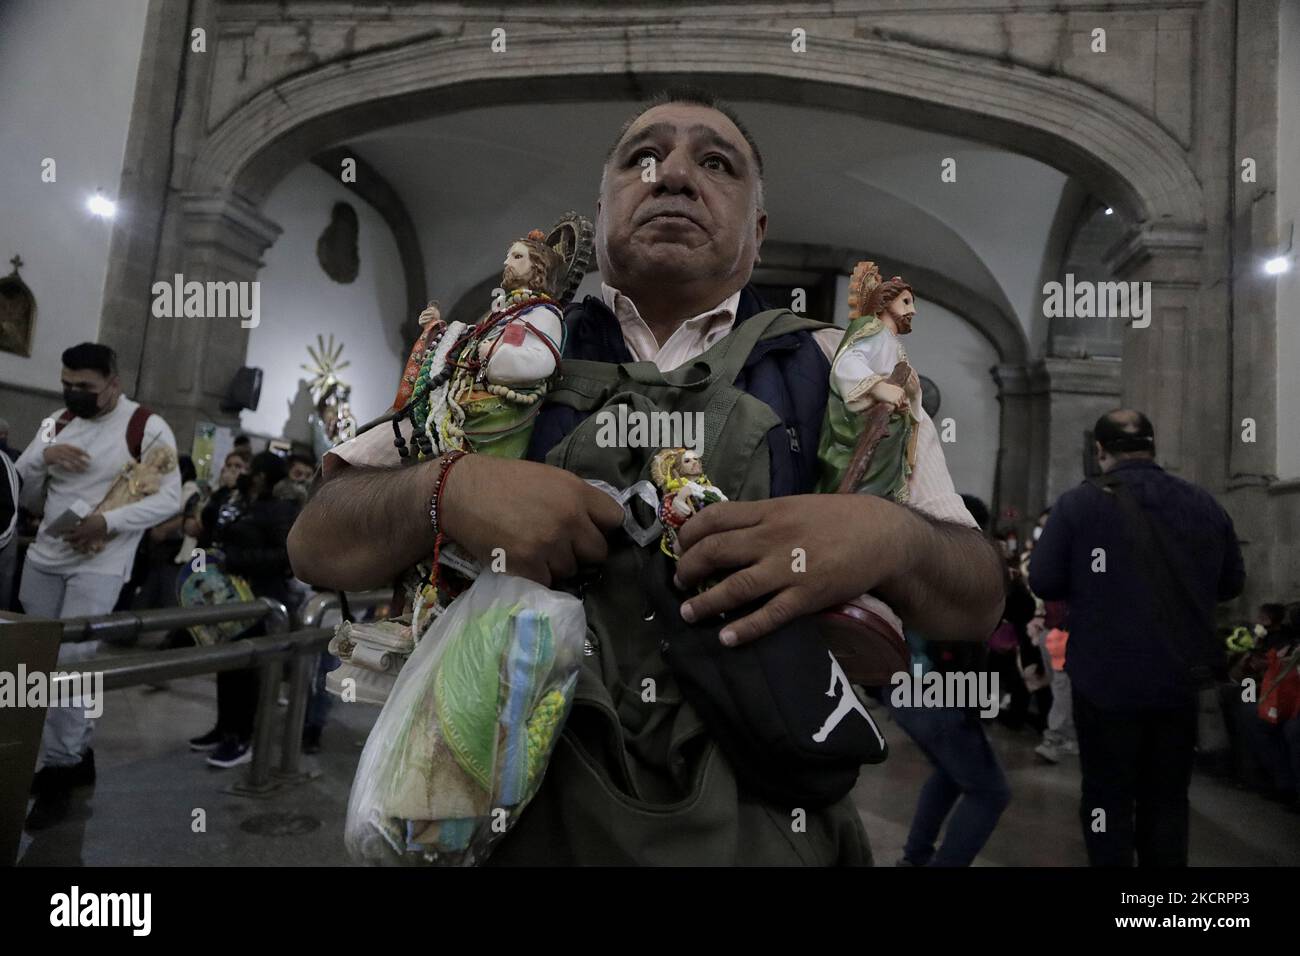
point(299, 648)
point(121, 624)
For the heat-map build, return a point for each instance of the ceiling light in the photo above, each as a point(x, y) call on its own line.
point(101, 206)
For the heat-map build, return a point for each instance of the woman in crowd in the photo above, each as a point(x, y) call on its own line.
point(247, 531)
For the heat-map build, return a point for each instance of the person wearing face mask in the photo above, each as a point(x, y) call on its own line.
point(78, 456)
point(249, 529)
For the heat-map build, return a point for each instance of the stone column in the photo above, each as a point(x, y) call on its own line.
point(1071, 395)
point(1012, 488)
point(1175, 369)
point(192, 360)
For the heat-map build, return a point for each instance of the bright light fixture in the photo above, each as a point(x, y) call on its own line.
point(1110, 210)
point(1278, 265)
point(102, 207)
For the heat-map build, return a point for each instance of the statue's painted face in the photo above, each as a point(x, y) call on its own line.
point(679, 202)
point(901, 310)
point(517, 267)
point(692, 466)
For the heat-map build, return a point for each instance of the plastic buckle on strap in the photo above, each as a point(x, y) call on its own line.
point(646, 491)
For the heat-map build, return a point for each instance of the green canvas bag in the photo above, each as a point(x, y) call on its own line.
point(635, 778)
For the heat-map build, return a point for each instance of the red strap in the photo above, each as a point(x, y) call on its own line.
point(135, 430)
point(63, 420)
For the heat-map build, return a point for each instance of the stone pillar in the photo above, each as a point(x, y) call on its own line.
point(192, 360)
point(1011, 489)
point(1175, 369)
point(1070, 394)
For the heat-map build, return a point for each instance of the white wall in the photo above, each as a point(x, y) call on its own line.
point(1288, 216)
point(948, 350)
point(67, 81)
point(299, 301)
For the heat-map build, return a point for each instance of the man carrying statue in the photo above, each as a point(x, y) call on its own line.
point(639, 778)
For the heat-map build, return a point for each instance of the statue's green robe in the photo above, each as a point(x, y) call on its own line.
point(867, 347)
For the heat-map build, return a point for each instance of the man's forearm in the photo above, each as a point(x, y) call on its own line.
point(364, 527)
point(952, 586)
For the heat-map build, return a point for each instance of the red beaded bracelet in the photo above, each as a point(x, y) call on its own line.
point(435, 506)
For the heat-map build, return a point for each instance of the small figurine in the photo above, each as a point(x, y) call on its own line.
point(862, 379)
point(679, 475)
point(431, 329)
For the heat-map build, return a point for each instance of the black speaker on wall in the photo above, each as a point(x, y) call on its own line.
point(244, 391)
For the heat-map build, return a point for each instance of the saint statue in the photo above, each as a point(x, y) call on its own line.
point(470, 388)
point(870, 352)
point(868, 446)
point(478, 388)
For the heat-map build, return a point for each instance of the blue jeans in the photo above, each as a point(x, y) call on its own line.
point(967, 783)
point(319, 703)
point(55, 595)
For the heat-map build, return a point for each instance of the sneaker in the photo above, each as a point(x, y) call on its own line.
point(208, 741)
point(1048, 753)
point(80, 774)
point(231, 753)
point(311, 740)
point(51, 808)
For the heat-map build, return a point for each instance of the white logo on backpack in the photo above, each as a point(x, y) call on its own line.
point(848, 702)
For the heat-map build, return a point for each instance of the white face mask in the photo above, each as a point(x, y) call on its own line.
point(1261, 630)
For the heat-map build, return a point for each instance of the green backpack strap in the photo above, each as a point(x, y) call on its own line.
point(585, 384)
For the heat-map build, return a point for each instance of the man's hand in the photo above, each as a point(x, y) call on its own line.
point(69, 457)
point(546, 521)
point(943, 579)
point(850, 546)
point(89, 532)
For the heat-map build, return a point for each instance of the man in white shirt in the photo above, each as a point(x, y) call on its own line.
point(675, 251)
point(76, 457)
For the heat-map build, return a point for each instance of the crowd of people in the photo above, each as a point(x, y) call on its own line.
point(1147, 688)
point(141, 516)
point(1121, 697)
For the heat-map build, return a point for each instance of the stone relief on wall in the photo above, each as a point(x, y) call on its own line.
point(336, 249)
point(17, 312)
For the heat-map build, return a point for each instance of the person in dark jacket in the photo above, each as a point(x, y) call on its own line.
point(250, 528)
point(1142, 586)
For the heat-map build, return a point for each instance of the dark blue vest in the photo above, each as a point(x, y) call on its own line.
point(789, 373)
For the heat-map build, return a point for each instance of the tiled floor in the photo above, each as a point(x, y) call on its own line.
point(145, 807)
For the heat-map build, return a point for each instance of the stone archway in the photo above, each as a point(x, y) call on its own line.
point(1115, 150)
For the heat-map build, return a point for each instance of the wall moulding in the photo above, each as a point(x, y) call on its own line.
point(1114, 149)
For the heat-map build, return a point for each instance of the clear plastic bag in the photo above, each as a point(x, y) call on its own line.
point(464, 739)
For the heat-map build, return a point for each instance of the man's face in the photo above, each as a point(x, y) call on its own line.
point(697, 220)
point(105, 388)
point(300, 472)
